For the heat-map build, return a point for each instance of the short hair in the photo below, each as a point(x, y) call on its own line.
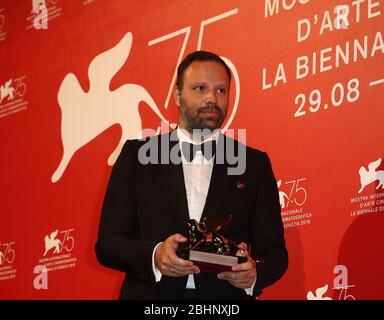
point(198, 56)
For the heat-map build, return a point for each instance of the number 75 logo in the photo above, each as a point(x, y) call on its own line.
point(8, 255)
point(297, 193)
point(51, 242)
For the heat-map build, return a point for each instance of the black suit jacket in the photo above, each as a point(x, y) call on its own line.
point(145, 204)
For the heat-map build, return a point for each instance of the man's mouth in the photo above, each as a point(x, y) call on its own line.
point(210, 112)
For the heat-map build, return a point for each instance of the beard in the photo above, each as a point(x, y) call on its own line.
point(194, 118)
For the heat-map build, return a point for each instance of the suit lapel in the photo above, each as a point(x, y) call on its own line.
point(173, 173)
point(218, 187)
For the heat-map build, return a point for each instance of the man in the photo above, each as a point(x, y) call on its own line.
point(148, 203)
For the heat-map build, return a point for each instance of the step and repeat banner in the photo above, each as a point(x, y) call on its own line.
point(79, 77)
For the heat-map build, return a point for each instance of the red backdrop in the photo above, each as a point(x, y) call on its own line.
point(308, 88)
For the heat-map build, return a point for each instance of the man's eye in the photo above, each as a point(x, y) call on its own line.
point(221, 90)
point(199, 88)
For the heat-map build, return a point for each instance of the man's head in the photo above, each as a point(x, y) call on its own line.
point(202, 91)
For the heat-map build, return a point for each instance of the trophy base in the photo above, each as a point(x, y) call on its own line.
point(214, 263)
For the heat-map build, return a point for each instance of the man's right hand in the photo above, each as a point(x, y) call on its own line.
point(167, 261)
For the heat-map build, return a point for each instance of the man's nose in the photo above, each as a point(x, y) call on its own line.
point(211, 96)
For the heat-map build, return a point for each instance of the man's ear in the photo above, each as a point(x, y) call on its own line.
point(176, 95)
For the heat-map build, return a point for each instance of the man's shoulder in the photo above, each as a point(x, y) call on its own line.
point(156, 138)
point(148, 148)
point(251, 151)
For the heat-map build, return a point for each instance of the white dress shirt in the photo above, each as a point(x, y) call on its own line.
point(197, 177)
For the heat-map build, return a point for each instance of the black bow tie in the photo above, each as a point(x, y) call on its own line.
point(208, 149)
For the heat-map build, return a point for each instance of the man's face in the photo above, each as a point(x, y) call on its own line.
point(203, 100)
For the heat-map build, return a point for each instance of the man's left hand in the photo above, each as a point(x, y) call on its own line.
point(243, 275)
